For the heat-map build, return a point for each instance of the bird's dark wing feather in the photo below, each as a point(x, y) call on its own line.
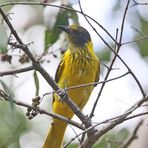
point(58, 75)
point(59, 71)
point(97, 75)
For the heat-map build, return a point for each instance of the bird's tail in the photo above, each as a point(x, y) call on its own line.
point(55, 134)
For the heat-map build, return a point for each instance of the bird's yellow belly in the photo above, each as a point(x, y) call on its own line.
point(79, 95)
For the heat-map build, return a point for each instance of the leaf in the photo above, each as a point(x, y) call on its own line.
point(3, 40)
point(62, 19)
point(112, 139)
point(13, 124)
point(143, 44)
point(104, 55)
point(52, 36)
point(73, 145)
point(8, 92)
point(122, 134)
point(36, 81)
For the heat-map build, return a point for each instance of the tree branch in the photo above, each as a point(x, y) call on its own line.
point(138, 4)
point(136, 40)
point(91, 140)
point(16, 71)
point(88, 84)
point(41, 111)
point(106, 122)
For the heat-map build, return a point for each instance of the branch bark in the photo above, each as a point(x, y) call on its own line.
point(41, 111)
point(16, 71)
point(88, 143)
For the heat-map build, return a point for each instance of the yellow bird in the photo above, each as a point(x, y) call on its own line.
point(79, 65)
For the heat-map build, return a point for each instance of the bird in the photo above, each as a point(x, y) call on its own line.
point(79, 65)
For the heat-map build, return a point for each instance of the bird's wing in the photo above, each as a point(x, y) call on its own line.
point(97, 74)
point(58, 76)
point(59, 71)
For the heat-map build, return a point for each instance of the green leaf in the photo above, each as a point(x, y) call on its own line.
point(122, 134)
point(142, 33)
point(143, 44)
point(52, 36)
point(36, 81)
point(104, 55)
point(8, 92)
point(112, 139)
point(62, 19)
point(13, 124)
point(3, 40)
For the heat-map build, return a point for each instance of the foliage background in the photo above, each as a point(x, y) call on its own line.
point(38, 24)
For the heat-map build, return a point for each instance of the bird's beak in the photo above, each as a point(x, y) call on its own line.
point(64, 28)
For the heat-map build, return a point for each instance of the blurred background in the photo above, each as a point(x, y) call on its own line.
point(37, 27)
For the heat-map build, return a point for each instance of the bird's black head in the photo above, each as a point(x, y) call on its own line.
point(78, 36)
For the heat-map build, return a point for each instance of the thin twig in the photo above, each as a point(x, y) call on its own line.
point(136, 40)
point(88, 84)
point(138, 31)
point(138, 4)
point(85, 16)
point(16, 71)
point(65, 145)
point(61, 7)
